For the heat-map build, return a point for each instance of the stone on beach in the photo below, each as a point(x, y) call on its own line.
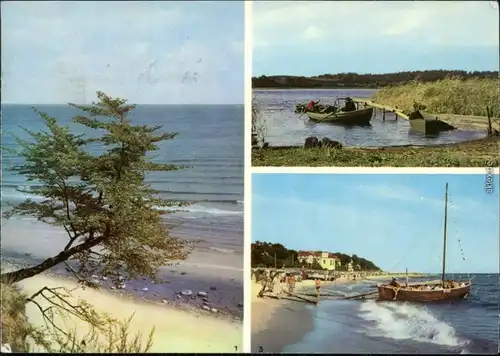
point(214, 310)
point(187, 292)
point(145, 289)
point(202, 294)
point(206, 307)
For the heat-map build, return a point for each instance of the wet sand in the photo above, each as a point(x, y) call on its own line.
point(277, 323)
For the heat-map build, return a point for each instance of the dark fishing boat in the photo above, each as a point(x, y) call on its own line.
point(425, 291)
point(343, 112)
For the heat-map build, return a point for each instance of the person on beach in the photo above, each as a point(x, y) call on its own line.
point(291, 286)
point(318, 286)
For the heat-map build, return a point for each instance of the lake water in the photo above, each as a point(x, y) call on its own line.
point(210, 142)
point(350, 326)
point(285, 128)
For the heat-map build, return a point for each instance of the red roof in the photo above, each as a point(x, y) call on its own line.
point(318, 254)
point(305, 253)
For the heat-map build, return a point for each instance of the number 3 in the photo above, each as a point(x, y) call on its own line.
point(261, 349)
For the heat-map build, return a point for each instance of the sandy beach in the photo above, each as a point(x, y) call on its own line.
point(176, 330)
point(278, 323)
point(182, 324)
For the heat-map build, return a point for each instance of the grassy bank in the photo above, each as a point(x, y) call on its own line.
point(479, 153)
point(447, 96)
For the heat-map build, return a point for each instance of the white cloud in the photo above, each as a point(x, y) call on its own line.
point(463, 23)
point(456, 204)
point(312, 33)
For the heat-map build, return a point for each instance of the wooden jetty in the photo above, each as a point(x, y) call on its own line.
point(420, 122)
point(445, 121)
point(385, 108)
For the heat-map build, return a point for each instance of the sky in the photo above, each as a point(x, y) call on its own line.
point(147, 52)
point(396, 221)
point(307, 38)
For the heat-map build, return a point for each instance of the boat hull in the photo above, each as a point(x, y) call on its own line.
point(427, 125)
point(388, 293)
point(357, 117)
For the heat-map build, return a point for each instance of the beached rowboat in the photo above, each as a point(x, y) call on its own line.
point(356, 117)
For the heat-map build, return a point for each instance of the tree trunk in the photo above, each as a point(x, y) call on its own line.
point(19, 275)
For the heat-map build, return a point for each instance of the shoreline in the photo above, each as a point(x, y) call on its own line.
point(478, 153)
point(279, 323)
point(178, 327)
point(220, 296)
point(274, 322)
point(218, 274)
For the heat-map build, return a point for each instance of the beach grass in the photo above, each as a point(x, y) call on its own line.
point(447, 96)
point(15, 325)
point(478, 153)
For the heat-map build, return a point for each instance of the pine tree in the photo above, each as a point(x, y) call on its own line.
point(110, 214)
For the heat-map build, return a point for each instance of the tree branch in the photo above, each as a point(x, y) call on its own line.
point(19, 275)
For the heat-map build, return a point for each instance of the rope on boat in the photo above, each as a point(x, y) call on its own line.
point(412, 246)
point(457, 235)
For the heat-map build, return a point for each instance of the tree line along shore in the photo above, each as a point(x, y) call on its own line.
point(368, 80)
point(464, 101)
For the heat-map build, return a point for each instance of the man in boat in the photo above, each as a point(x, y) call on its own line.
point(311, 104)
point(395, 283)
point(349, 105)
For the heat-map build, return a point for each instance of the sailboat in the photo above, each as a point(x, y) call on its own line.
point(428, 291)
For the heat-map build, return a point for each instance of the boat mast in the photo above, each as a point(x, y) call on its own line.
point(444, 237)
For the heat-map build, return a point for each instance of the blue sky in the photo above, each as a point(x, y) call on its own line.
point(147, 52)
point(394, 220)
point(315, 37)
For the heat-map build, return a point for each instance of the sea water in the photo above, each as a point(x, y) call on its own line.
point(353, 326)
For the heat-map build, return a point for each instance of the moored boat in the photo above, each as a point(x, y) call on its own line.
point(427, 292)
point(424, 292)
point(356, 117)
point(427, 125)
